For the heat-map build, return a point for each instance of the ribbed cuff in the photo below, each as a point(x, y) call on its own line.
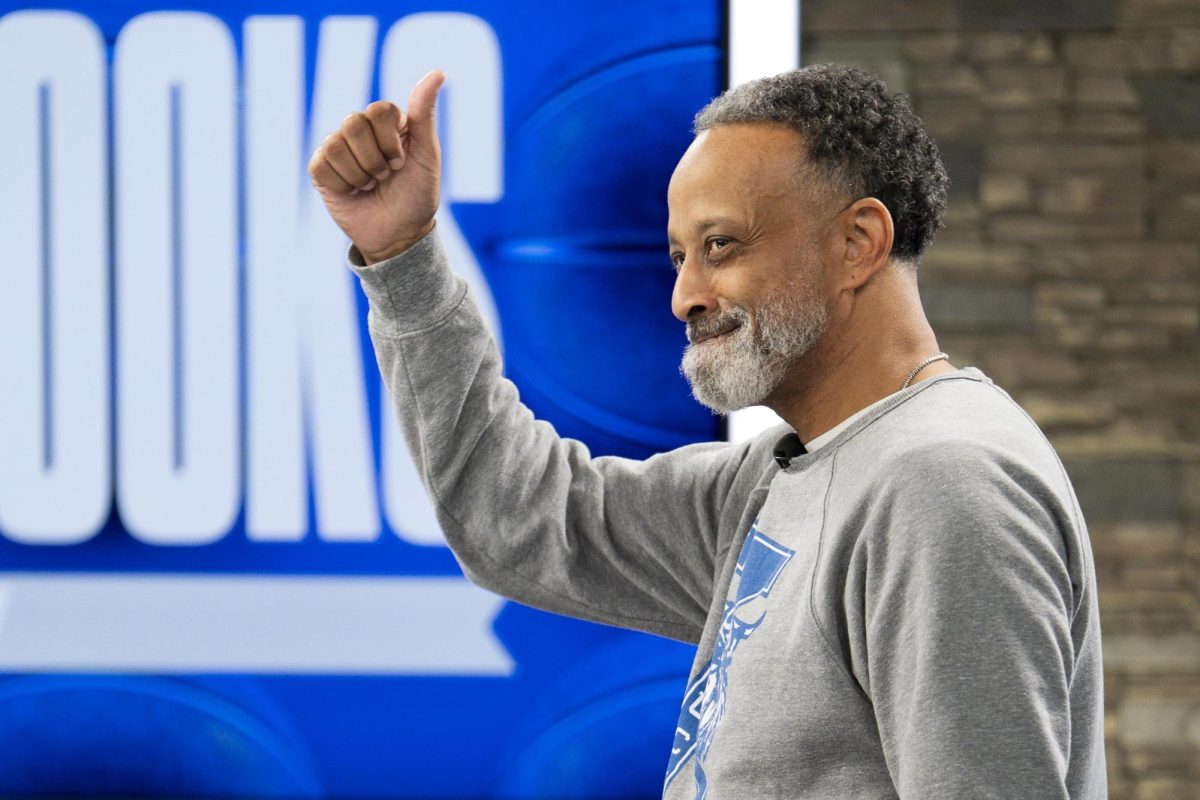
point(412, 290)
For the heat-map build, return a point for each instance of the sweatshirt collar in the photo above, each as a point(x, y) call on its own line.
point(789, 446)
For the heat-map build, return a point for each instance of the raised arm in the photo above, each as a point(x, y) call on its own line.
point(527, 513)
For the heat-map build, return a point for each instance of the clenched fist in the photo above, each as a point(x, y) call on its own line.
point(379, 174)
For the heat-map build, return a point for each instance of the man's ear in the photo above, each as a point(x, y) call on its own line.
point(861, 237)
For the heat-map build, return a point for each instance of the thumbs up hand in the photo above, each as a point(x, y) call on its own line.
point(380, 172)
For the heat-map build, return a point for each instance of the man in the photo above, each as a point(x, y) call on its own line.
point(893, 594)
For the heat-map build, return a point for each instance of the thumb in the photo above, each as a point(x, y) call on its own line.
point(422, 126)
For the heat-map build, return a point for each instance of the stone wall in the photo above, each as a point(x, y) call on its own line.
point(1069, 271)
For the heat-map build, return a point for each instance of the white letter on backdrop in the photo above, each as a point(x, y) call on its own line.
point(305, 360)
point(178, 449)
point(276, 483)
point(55, 476)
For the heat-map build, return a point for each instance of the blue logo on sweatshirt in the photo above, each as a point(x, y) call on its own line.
point(761, 562)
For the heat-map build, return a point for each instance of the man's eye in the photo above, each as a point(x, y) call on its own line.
point(677, 261)
point(717, 243)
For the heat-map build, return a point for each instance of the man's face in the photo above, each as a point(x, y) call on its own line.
point(750, 283)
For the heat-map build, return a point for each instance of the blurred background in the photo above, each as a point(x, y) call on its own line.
point(220, 577)
point(1069, 271)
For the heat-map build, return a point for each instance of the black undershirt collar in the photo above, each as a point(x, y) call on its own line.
point(788, 448)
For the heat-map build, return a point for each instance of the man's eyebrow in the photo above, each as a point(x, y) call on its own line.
point(704, 225)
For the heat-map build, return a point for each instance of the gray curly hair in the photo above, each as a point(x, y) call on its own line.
point(866, 141)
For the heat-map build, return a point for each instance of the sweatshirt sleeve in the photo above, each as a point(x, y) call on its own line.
point(967, 611)
point(529, 514)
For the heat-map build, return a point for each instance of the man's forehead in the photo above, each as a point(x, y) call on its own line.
point(758, 143)
point(745, 170)
point(757, 157)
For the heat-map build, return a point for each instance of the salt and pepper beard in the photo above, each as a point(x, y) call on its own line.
point(744, 366)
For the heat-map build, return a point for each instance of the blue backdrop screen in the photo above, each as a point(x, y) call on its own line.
point(220, 574)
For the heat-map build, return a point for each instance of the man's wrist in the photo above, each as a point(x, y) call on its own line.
point(411, 291)
point(396, 248)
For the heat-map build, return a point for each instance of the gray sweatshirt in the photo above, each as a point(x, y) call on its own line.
point(909, 611)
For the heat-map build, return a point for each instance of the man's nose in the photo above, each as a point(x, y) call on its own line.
point(693, 294)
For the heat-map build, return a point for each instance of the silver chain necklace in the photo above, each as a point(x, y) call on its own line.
point(921, 366)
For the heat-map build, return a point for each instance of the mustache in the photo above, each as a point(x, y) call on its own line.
point(703, 328)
